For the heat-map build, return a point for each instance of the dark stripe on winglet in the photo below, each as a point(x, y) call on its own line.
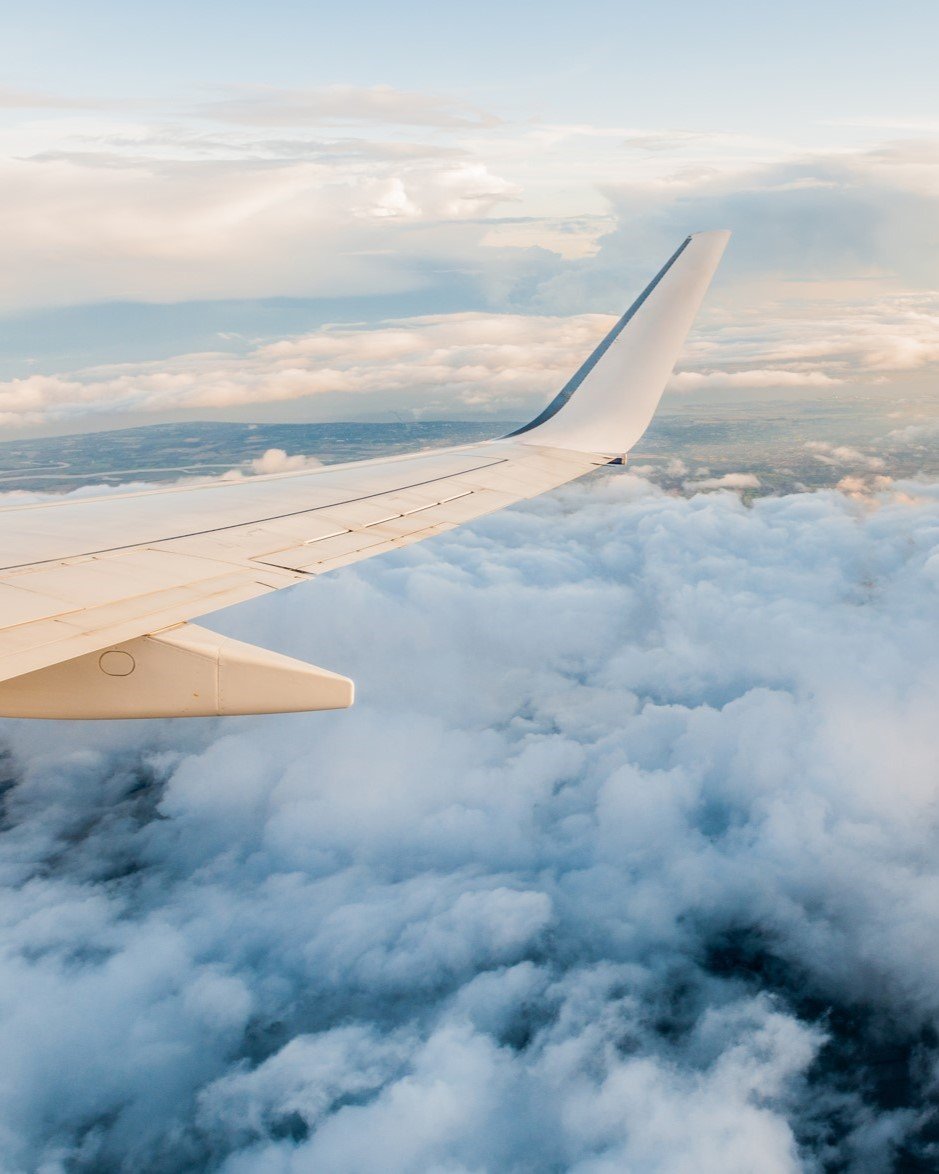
point(577, 379)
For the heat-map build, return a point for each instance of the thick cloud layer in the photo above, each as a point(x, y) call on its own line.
point(627, 858)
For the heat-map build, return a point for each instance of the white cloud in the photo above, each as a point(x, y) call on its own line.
point(578, 879)
point(447, 363)
point(273, 460)
point(504, 364)
point(87, 226)
point(726, 481)
point(757, 379)
point(114, 205)
point(844, 454)
point(866, 486)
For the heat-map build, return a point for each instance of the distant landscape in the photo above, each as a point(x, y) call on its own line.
point(762, 447)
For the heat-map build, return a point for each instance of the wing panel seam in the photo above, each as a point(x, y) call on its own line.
point(150, 542)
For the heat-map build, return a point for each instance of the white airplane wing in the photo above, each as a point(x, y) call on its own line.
point(96, 594)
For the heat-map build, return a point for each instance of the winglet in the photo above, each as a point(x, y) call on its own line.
point(608, 404)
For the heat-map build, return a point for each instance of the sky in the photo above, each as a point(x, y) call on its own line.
point(316, 212)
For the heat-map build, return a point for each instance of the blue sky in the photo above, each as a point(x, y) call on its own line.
point(182, 191)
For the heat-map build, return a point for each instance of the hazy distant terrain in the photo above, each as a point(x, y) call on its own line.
point(166, 452)
point(784, 446)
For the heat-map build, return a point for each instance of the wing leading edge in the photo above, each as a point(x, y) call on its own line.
point(96, 595)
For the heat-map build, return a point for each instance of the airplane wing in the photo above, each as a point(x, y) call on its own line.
point(96, 595)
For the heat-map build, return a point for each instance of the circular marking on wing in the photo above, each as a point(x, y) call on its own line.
point(116, 663)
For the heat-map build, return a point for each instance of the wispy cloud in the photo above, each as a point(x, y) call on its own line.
point(14, 99)
point(339, 104)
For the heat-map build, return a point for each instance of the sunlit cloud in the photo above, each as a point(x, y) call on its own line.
point(725, 481)
point(33, 100)
point(501, 364)
point(483, 362)
point(338, 104)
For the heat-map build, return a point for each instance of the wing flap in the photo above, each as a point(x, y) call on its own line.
point(35, 645)
point(18, 606)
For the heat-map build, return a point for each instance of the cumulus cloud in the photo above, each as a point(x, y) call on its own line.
point(866, 485)
point(726, 481)
point(844, 454)
point(633, 867)
point(821, 215)
point(273, 460)
point(828, 278)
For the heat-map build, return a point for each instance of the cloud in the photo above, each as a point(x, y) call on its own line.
point(725, 481)
point(274, 460)
point(173, 206)
point(633, 867)
point(446, 363)
point(104, 223)
point(340, 104)
point(844, 454)
point(816, 214)
point(503, 364)
point(756, 379)
point(819, 238)
point(866, 485)
point(15, 99)
point(827, 285)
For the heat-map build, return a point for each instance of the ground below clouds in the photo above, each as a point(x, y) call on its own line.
point(627, 859)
